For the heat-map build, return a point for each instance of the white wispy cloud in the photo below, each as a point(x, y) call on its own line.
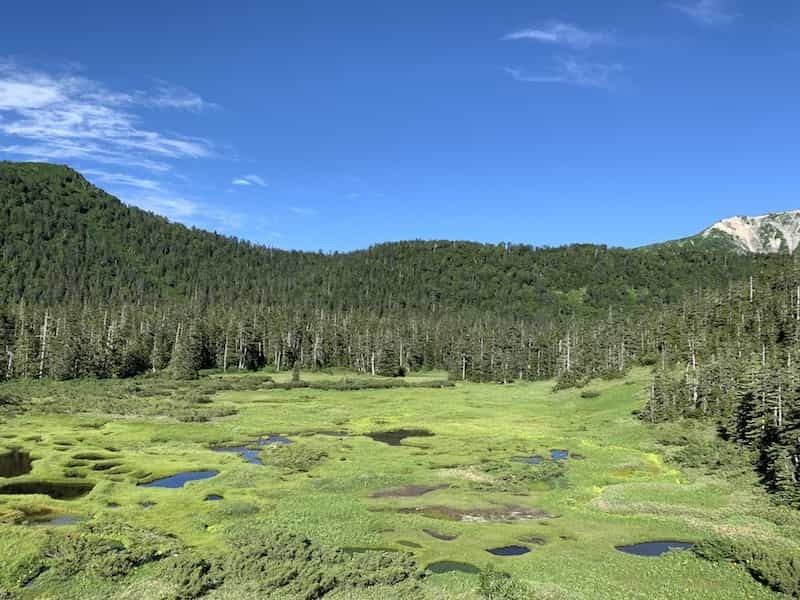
point(168, 95)
point(122, 179)
point(706, 12)
point(562, 34)
point(250, 180)
point(570, 71)
point(67, 151)
point(61, 116)
point(179, 208)
point(172, 208)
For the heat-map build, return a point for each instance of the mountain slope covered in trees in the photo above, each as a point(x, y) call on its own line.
point(65, 241)
point(91, 287)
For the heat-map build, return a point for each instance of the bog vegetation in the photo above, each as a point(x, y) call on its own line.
point(146, 320)
point(499, 492)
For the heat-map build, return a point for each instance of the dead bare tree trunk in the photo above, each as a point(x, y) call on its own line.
point(43, 353)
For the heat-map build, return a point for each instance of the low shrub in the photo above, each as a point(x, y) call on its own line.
point(774, 566)
point(714, 456)
point(497, 585)
point(516, 476)
point(294, 458)
point(108, 550)
point(192, 575)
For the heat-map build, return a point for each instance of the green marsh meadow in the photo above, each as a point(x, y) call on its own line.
point(346, 487)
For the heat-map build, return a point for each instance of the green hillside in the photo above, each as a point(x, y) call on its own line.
point(64, 240)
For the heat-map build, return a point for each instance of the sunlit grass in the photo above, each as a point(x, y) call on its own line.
point(620, 485)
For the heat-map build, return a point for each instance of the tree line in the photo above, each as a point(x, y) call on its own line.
point(93, 288)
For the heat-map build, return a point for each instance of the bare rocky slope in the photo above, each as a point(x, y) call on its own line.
point(767, 234)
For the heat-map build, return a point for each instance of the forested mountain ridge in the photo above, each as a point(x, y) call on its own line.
point(93, 288)
point(64, 240)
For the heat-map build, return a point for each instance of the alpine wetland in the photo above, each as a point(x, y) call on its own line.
point(223, 378)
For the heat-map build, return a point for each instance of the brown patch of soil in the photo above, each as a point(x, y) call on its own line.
point(504, 513)
point(536, 541)
point(445, 537)
point(409, 491)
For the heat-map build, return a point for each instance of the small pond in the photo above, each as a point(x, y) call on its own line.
point(274, 439)
point(15, 463)
point(449, 566)
point(559, 454)
point(395, 437)
point(509, 551)
point(61, 521)
point(531, 460)
point(250, 455)
point(654, 548)
point(214, 498)
point(57, 490)
point(181, 479)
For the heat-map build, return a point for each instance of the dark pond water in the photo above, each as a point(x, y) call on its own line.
point(654, 548)
point(509, 551)
point(181, 479)
point(250, 455)
point(559, 454)
point(531, 460)
point(214, 498)
point(31, 579)
point(62, 520)
point(58, 490)
point(395, 437)
point(274, 439)
point(448, 566)
point(15, 463)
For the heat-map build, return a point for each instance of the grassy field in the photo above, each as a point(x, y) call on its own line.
point(449, 496)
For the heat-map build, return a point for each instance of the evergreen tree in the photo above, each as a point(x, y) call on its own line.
point(185, 360)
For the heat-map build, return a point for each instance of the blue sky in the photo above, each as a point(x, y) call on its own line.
point(335, 125)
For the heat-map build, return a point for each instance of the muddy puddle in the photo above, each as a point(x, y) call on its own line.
point(15, 463)
point(449, 566)
point(57, 490)
point(395, 437)
point(504, 513)
point(409, 491)
point(509, 551)
point(444, 537)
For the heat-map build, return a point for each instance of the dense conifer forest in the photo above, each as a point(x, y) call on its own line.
point(90, 287)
